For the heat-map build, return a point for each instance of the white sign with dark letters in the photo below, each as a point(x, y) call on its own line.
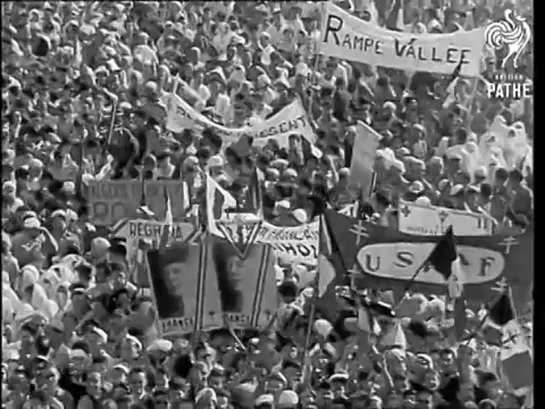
point(347, 37)
point(435, 220)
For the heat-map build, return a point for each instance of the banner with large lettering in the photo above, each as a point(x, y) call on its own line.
point(292, 119)
point(295, 244)
point(133, 231)
point(348, 37)
point(292, 244)
point(435, 220)
point(388, 259)
point(113, 200)
point(185, 294)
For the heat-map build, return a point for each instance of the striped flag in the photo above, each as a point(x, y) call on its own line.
point(367, 322)
point(326, 271)
point(254, 198)
point(394, 337)
point(218, 200)
point(516, 361)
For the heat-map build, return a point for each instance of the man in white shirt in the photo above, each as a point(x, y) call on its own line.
point(275, 29)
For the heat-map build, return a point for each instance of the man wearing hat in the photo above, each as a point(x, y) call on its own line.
point(34, 243)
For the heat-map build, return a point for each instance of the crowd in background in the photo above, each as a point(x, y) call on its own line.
point(85, 89)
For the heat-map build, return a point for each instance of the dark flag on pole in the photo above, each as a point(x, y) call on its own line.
point(502, 310)
point(444, 254)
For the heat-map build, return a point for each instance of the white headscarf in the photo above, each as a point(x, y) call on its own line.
point(50, 309)
point(62, 298)
point(12, 296)
point(5, 277)
point(39, 298)
point(473, 157)
point(50, 281)
point(8, 313)
point(30, 276)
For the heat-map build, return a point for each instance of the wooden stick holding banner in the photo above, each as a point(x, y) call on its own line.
point(233, 333)
point(483, 320)
point(413, 278)
point(306, 363)
point(314, 70)
point(112, 121)
point(470, 102)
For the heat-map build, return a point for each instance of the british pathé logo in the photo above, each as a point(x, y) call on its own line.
point(513, 32)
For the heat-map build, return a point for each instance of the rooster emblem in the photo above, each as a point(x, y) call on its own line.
point(513, 32)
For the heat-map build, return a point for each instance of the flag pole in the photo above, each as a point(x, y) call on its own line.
point(413, 278)
point(312, 314)
point(483, 319)
point(314, 70)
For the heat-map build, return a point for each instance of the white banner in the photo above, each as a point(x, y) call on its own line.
point(292, 119)
point(350, 38)
point(434, 221)
point(297, 244)
point(293, 244)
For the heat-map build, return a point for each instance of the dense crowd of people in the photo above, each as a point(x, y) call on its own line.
point(86, 88)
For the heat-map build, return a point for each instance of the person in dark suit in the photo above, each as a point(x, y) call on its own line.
point(229, 269)
point(168, 271)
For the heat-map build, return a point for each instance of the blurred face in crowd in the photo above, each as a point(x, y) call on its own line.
point(59, 223)
point(119, 375)
point(508, 401)
point(199, 373)
point(492, 389)
point(129, 350)
point(216, 382)
point(447, 363)
point(324, 398)
point(275, 386)
point(48, 380)
point(94, 384)
point(393, 401)
point(161, 380)
point(431, 380)
point(306, 398)
point(424, 400)
point(179, 389)
point(137, 382)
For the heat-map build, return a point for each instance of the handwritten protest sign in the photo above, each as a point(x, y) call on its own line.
point(434, 221)
point(292, 119)
point(347, 37)
point(111, 201)
point(293, 244)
